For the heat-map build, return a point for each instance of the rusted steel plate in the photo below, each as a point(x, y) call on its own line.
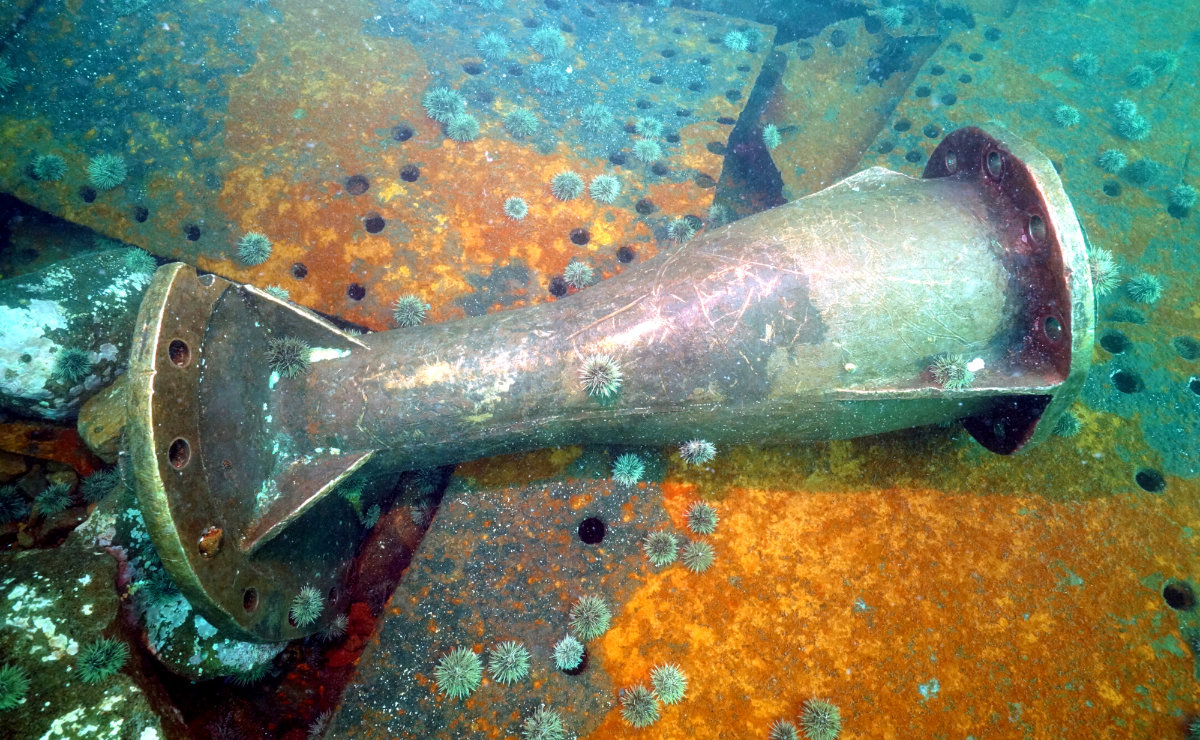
point(834, 96)
point(828, 557)
point(256, 123)
point(48, 442)
point(1057, 79)
point(520, 551)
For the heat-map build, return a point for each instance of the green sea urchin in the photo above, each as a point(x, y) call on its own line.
point(508, 662)
point(736, 41)
point(589, 617)
point(647, 150)
point(442, 103)
point(669, 682)
point(1067, 425)
point(106, 171)
point(516, 208)
point(579, 274)
point(1144, 172)
point(521, 123)
point(55, 499)
point(566, 185)
point(821, 720)
point(423, 12)
point(49, 167)
point(568, 653)
point(548, 78)
point(306, 607)
point(139, 261)
point(1182, 196)
point(1139, 77)
point(458, 673)
point(1085, 64)
point(254, 248)
point(71, 366)
point(628, 469)
point(770, 136)
point(1105, 273)
point(8, 77)
point(492, 47)
point(1144, 288)
point(548, 41)
point(250, 676)
point(697, 556)
point(702, 518)
point(604, 188)
point(14, 682)
point(601, 376)
point(463, 127)
point(719, 215)
point(648, 128)
point(1162, 62)
point(1066, 116)
point(595, 118)
point(1128, 122)
point(639, 707)
point(697, 451)
point(100, 659)
point(681, 229)
point(14, 507)
point(99, 484)
point(951, 372)
point(288, 356)
point(543, 724)
point(783, 730)
point(661, 548)
point(336, 628)
point(1112, 161)
point(409, 310)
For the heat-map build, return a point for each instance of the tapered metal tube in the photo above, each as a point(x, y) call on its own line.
point(815, 320)
point(819, 319)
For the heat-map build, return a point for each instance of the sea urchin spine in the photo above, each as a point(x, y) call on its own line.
point(601, 376)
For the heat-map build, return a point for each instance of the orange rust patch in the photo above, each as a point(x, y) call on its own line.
point(49, 442)
point(677, 499)
point(864, 597)
point(444, 227)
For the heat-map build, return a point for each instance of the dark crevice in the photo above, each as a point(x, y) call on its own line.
point(749, 180)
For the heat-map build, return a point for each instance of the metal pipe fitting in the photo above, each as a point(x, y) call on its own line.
point(881, 303)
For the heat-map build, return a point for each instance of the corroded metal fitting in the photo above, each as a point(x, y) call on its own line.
point(830, 317)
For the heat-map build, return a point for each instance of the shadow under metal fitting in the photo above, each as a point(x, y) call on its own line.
point(818, 319)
